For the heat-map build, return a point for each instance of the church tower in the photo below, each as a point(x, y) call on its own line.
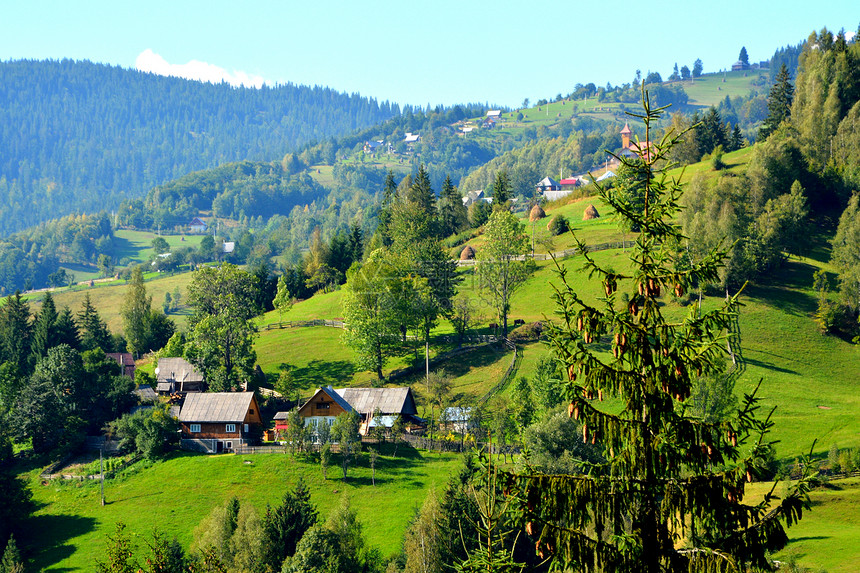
point(625, 136)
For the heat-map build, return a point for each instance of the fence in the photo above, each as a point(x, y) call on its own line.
point(509, 373)
point(560, 254)
point(305, 323)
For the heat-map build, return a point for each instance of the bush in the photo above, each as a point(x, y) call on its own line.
point(558, 225)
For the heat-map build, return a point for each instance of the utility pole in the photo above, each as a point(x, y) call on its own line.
point(102, 473)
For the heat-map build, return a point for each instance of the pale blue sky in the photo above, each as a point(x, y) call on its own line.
point(444, 51)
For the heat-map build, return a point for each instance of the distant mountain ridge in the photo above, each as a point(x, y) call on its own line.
point(80, 137)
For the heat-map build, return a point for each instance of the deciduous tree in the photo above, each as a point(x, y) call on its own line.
point(500, 269)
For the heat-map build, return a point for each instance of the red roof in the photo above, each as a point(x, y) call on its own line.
point(626, 129)
point(570, 181)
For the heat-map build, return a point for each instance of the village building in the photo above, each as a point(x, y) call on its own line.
point(177, 376)
point(215, 422)
point(125, 361)
point(373, 146)
point(548, 184)
point(328, 403)
point(632, 149)
point(197, 225)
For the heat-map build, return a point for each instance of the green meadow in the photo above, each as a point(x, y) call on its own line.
point(175, 495)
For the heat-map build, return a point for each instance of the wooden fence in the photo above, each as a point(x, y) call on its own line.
point(305, 323)
point(560, 254)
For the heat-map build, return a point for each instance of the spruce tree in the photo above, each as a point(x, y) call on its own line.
point(743, 57)
point(670, 494)
point(501, 190)
point(778, 103)
point(93, 330)
point(15, 331)
point(44, 328)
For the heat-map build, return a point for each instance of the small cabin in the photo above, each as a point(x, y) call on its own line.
point(215, 422)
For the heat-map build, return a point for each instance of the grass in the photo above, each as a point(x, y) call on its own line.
point(136, 246)
point(107, 297)
point(178, 493)
point(827, 538)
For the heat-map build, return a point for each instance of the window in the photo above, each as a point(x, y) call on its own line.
point(228, 445)
point(231, 428)
point(323, 405)
point(195, 428)
point(250, 410)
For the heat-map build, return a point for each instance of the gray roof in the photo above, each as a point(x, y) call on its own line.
point(216, 407)
point(177, 369)
point(281, 416)
point(387, 400)
point(146, 393)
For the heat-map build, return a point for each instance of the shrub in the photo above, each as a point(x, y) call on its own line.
point(558, 225)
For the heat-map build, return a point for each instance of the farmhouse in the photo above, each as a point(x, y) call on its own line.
point(197, 225)
point(373, 145)
point(548, 184)
point(328, 403)
point(177, 376)
point(215, 422)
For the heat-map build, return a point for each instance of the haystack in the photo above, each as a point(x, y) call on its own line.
point(467, 254)
point(536, 214)
point(590, 213)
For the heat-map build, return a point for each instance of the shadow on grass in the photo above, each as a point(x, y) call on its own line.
point(768, 365)
point(319, 373)
point(783, 290)
point(51, 534)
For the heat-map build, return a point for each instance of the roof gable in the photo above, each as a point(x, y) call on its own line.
point(216, 407)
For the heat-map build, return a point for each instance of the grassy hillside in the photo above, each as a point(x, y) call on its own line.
point(178, 493)
point(107, 297)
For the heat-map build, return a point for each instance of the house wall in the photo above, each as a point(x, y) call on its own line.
point(212, 430)
point(321, 405)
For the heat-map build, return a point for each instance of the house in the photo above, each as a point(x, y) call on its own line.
point(145, 394)
point(177, 376)
point(473, 197)
point(229, 247)
point(215, 422)
point(328, 403)
point(548, 184)
point(494, 114)
point(125, 361)
point(373, 146)
point(739, 65)
point(605, 176)
point(570, 183)
point(197, 225)
point(458, 419)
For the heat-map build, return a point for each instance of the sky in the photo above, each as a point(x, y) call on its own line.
point(417, 52)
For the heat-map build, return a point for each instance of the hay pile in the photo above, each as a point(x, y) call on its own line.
point(467, 254)
point(590, 213)
point(536, 214)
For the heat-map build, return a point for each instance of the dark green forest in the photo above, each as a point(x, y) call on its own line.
point(80, 137)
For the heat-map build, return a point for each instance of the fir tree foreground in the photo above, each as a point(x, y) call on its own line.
point(670, 494)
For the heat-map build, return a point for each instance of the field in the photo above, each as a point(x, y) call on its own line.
point(178, 493)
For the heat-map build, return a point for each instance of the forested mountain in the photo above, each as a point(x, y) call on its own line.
point(79, 136)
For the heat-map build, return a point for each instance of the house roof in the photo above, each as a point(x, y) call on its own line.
point(281, 416)
point(196, 221)
point(122, 358)
point(145, 393)
point(626, 129)
point(411, 137)
point(570, 181)
point(494, 113)
point(606, 175)
point(331, 393)
point(387, 400)
point(548, 182)
point(216, 407)
point(178, 369)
